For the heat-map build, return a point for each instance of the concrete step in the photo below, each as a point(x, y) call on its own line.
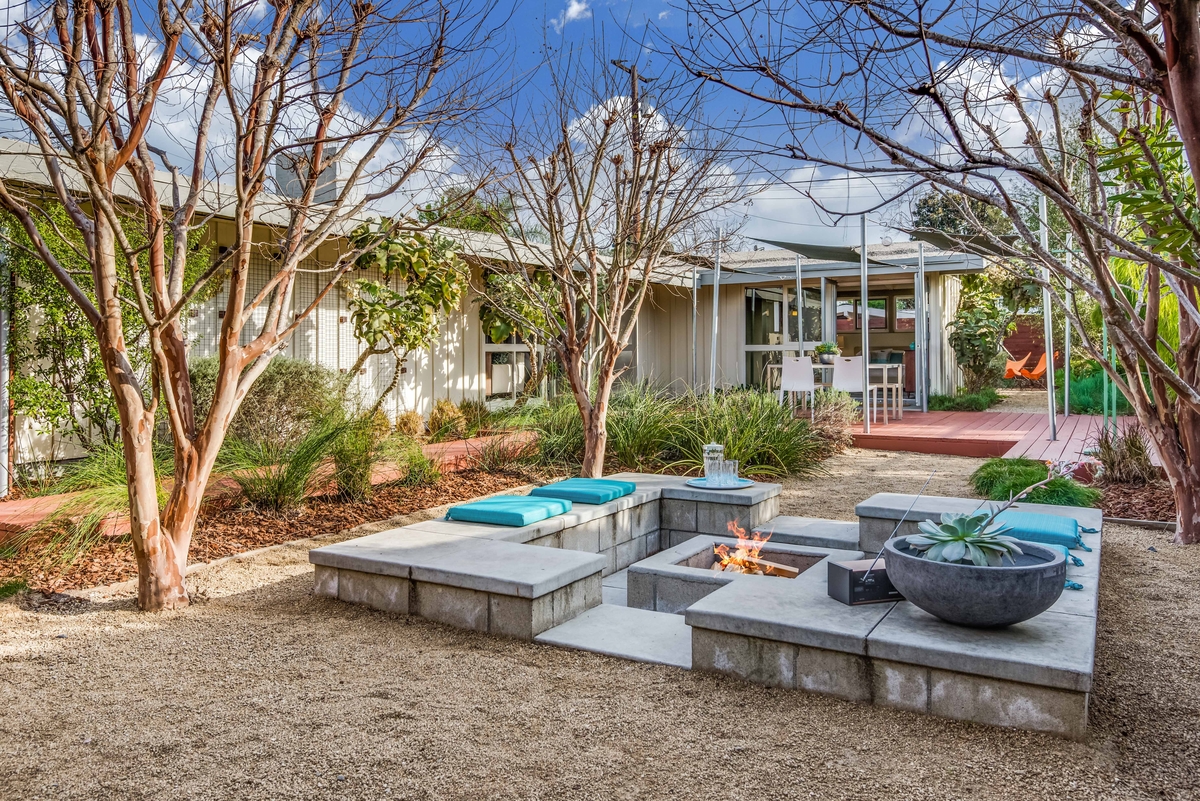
point(635, 634)
point(812, 531)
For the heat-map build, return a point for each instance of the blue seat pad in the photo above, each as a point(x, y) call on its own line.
point(586, 490)
point(509, 510)
point(1046, 529)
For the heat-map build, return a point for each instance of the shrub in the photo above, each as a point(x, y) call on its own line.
point(410, 424)
point(101, 482)
point(755, 429)
point(356, 452)
point(641, 421)
point(501, 453)
point(1087, 394)
point(1001, 479)
point(279, 478)
point(475, 415)
point(282, 404)
point(1125, 457)
point(965, 401)
point(834, 416)
point(559, 430)
point(446, 421)
point(417, 469)
point(10, 588)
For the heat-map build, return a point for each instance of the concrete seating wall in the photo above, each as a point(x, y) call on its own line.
point(519, 582)
point(1035, 675)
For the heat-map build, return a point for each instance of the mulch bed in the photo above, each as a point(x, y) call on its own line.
point(1139, 501)
point(226, 529)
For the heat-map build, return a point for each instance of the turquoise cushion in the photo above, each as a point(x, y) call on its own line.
point(1046, 529)
point(509, 510)
point(586, 490)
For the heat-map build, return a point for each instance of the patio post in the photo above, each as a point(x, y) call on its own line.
point(799, 306)
point(1067, 335)
point(865, 322)
point(695, 296)
point(712, 361)
point(1047, 320)
point(921, 333)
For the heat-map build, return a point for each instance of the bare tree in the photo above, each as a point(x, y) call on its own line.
point(1000, 102)
point(355, 89)
point(604, 183)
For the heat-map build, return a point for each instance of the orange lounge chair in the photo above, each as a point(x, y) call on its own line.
point(1012, 369)
point(1038, 372)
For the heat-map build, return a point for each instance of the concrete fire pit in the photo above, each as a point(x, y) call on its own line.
point(678, 577)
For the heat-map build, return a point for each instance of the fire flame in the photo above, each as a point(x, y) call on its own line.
point(741, 559)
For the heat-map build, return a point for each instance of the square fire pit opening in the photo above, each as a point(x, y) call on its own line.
point(706, 559)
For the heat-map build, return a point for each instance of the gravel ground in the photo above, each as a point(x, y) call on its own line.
point(260, 690)
point(1021, 400)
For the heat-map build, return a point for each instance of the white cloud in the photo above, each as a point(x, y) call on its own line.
point(664, 14)
point(575, 10)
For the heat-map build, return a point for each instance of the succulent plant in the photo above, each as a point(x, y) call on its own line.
point(975, 538)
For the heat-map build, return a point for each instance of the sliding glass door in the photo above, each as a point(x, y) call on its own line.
point(773, 330)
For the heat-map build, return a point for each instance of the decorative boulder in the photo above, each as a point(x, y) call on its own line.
point(980, 597)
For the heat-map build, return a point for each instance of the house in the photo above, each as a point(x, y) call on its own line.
point(758, 321)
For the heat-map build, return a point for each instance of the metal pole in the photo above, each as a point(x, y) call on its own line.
point(922, 333)
point(712, 361)
point(1104, 381)
point(1047, 320)
point(695, 296)
point(799, 306)
point(866, 324)
point(5, 433)
point(1067, 335)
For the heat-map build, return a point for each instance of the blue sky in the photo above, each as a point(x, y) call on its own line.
point(780, 212)
point(633, 29)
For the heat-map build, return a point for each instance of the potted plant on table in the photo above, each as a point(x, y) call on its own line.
point(966, 570)
point(827, 352)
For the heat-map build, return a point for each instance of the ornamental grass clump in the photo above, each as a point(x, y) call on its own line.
point(965, 539)
point(1001, 479)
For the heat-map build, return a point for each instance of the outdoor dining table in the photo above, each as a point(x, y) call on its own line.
point(773, 375)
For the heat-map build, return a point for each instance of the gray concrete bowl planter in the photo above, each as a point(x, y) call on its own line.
point(979, 597)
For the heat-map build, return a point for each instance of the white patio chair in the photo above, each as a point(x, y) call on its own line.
point(796, 377)
point(848, 377)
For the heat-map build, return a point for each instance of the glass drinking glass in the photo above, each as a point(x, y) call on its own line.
point(714, 454)
point(731, 472)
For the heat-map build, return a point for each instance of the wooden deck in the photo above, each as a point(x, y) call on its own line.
point(984, 434)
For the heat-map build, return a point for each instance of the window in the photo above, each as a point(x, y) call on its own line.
point(877, 313)
point(812, 316)
point(846, 315)
point(906, 313)
point(764, 316)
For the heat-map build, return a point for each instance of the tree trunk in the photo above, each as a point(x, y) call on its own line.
point(595, 442)
point(160, 568)
point(1187, 509)
point(1181, 471)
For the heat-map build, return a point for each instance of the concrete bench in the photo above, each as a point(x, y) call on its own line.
point(519, 581)
point(490, 586)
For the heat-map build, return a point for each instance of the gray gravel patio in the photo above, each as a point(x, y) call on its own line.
point(260, 690)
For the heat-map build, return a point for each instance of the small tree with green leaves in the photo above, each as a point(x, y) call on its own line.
point(507, 308)
point(421, 280)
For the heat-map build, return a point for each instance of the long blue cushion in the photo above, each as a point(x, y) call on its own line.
point(509, 510)
point(586, 490)
point(1047, 529)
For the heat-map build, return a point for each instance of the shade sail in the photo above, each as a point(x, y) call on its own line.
point(825, 252)
point(978, 245)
